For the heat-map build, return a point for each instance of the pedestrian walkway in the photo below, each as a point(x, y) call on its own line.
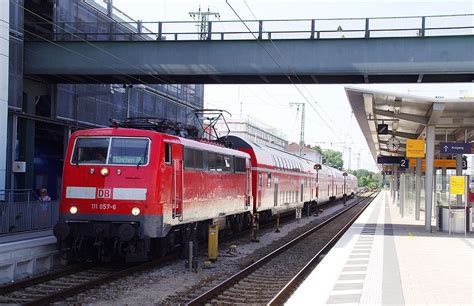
point(384, 259)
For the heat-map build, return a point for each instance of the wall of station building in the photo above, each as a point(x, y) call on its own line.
point(4, 56)
point(42, 116)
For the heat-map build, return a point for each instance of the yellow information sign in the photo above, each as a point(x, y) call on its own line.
point(438, 163)
point(456, 184)
point(415, 148)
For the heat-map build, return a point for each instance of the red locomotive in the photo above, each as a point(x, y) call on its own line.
point(132, 192)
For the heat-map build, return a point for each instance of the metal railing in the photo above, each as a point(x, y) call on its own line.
point(21, 210)
point(411, 26)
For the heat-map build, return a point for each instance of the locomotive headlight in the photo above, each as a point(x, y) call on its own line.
point(73, 210)
point(104, 171)
point(135, 211)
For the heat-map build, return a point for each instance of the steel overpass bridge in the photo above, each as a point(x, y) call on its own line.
point(370, 50)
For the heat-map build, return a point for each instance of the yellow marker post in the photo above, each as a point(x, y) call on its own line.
point(213, 242)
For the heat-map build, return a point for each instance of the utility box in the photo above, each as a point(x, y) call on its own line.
point(213, 242)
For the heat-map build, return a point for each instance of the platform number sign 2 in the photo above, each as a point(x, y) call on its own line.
point(404, 163)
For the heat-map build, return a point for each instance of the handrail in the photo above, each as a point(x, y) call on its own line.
point(181, 30)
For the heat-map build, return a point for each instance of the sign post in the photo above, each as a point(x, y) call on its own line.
point(416, 149)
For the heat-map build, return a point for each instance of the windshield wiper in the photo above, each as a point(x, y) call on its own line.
point(143, 156)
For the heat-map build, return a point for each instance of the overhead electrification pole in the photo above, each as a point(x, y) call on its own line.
point(202, 18)
point(298, 104)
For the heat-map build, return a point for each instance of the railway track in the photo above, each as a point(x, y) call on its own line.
point(272, 278)
point(59, 285)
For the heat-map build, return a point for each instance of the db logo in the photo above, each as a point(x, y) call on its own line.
point(104, 193)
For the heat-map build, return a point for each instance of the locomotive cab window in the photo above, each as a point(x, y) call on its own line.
point(168, 153)
point(129, 151)
point(90, 151)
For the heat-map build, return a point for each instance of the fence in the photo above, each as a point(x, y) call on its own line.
point(21, 211)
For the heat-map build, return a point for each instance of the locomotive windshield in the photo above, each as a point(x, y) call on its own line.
point(115, 151)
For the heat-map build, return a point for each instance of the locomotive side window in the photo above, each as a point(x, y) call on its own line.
point(129, 151)
point(168, 153)
point(188, 158)
point(90, 151)
point(214, 162)
point(239, 165)
point(220, 162)
point(198, 159)
point(193, 158)
point(227, 164)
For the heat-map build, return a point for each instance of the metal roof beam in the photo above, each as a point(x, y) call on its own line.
point(402, 116)
point(434, 115)
point(405, 135)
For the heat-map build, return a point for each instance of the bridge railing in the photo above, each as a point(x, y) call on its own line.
point(411, 26)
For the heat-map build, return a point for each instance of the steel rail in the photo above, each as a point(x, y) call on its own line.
point(28, 282)
point(216, 290)
point(284, 293)
point(63, 293)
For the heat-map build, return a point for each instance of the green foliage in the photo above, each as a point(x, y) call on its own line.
point(333, 159)
point(317, 149)
point(367, 178)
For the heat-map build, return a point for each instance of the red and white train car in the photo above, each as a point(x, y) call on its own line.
point(131, 192)
point(283, 182)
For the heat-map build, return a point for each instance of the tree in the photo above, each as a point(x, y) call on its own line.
point(317, 149)
point(367, 178)
point(333, 159)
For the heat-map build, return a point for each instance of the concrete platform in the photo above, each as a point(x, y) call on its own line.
point(384, 259)
point(26, 254)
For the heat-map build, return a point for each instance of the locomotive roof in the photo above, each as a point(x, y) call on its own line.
point(130, 132)
point(211, 147)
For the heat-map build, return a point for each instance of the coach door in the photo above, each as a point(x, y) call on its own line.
point(275, 192)
point(302, 188)
point(178, 180)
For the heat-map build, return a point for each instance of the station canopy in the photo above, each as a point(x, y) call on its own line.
point(407, 117)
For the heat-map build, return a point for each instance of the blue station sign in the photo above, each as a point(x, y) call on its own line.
point(455, 148)
point(389, 159)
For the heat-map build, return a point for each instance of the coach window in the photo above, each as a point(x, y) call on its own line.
point(269, 180)
point(168, 153)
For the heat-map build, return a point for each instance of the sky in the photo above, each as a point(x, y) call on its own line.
point(270, 103)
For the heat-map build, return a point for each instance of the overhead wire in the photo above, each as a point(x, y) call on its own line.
point(278, 64)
